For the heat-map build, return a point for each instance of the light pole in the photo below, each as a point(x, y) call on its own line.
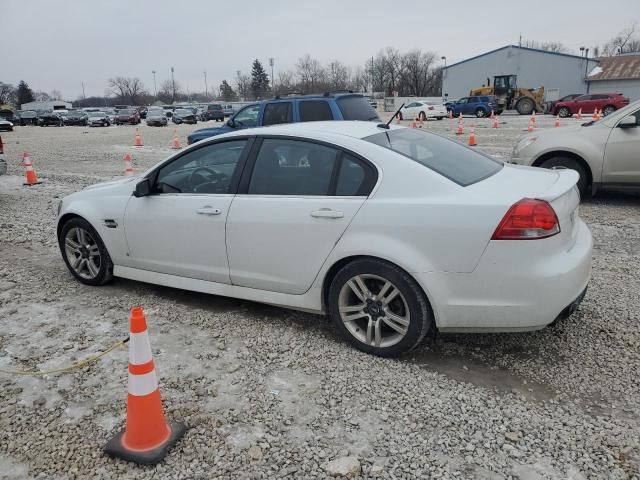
point(273, 83)
point(155, 88)
point(206, 88)
point(173, 88)
point(444, 70)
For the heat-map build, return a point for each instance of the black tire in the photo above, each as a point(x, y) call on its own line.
point(400, 115)
point(573, 164)
point(105, 272)
point(422, 116)
point(608, 110)
point(480, 113)
point(525, 106)
point(420, 313)
point(564, 112)
point(440, 118)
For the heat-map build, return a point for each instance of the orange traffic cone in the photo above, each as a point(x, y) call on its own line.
point(472, 137)
point(459, 130)
point(595, 115)
point(598, 114)
point(414, 124)
point(533, 117)
point(492, 116)
point(138, 141)
point(30, 174)
point(579, 113)
point(147, 436)
point(398, 119)
point(128, 167)
point(530, 127)
point(450, 114)
point(557, 124)
point(495, 122)
point(176, 141)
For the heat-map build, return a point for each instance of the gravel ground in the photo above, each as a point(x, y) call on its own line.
point(271, 393)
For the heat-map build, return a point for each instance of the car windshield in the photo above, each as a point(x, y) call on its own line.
point(156, 112)
point(215, 107)
point(184, 111)
point(97, 114)
point(126, 111)
point(354, 107)
point(456, 162)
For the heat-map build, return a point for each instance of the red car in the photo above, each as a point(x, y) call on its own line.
point(605, 102)
point(127, 115)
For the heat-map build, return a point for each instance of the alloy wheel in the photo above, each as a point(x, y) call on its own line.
point(374, 310)
point(83, 253)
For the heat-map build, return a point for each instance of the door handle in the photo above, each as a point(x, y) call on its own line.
point(208, 210)
point(327, 213)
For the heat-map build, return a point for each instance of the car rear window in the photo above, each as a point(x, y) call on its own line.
point(314, 111)
point(356, 108)
point(456, 162)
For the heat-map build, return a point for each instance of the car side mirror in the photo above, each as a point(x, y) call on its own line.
point(628, 122)
point(231, 123)
point(143, 188)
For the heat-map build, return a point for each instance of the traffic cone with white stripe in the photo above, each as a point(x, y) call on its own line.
point(533, 117)
point(472, 137)
point(450, 114)
point(138, 140)
point(531, 127)
point(580, 113)
point(414, 124)
point(557, 124)
point(398, 119)
point(176, 141)
point(147, 436)
point(128, 168)
point(459, 129)
point(495, 122)
point(30, 174)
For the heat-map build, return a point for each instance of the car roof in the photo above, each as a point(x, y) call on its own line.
point(348, 128)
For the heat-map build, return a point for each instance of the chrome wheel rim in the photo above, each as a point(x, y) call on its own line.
point(374, 310)
point(82, 253)
point(607, 111)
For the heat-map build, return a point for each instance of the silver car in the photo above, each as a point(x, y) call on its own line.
point(603, 152)
point(156, 116)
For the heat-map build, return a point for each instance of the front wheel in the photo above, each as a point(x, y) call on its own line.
point(567, 162)
point(564, 112)
point(525, 106)
point(84, 253)
point(608, 110)
point(379, 308)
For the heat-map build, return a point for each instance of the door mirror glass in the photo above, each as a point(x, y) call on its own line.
point(231, 123)
point(143, 188)
point(628, 122)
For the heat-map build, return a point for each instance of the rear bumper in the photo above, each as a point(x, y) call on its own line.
point(512, 288)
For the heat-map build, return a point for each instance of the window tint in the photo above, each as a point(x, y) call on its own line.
point(451, 160)
point(313, 111)
point(205, 170)
point(599, 97)
point(354, 107)
point(351, 177)
point(473, 99)
point(292, 167)
point(584, 97)
point(463, 100)
point(275, 113)
point(248, 116)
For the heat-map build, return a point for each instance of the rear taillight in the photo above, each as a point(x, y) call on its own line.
point(430, 108)
point(528, 219)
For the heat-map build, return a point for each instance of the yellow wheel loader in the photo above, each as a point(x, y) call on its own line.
point(509, 96)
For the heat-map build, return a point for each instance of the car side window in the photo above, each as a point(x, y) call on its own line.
point(315, 110)
point(276, 113)
point(205, 170)
point(473, 100)
point(248, 116)
point(351, 177)
point(292, 167)
point(463, 100)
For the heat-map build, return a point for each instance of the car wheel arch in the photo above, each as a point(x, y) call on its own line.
point(70, 216)
point(564, 153)
point(333, 270)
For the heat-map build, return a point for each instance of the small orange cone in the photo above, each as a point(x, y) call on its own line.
point(450, 114)
point(531, 127)
point(30, 174)
point(495, 122)
point(398, 119)
point(138, 141)
point(459, 130)
point(533, 117)
point(492, 116)
point(579, 113)
point(176, 141)
point(147, 436)
point(472, 137)
point(414, 124)
point(557, 124)
point(128, 167)
point(595, 115)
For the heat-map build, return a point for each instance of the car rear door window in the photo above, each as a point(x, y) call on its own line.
point(292, 167)
point(351, 177)
point(456, 162)
point(208, 169)
point(314, 111)
point(355, 107)
point(276, 113)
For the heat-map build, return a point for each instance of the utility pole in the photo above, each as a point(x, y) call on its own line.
point(443, 58)
point(83, 95)
point(206, 88)
point(155, 88)
point(273, 82)
point(173, 88)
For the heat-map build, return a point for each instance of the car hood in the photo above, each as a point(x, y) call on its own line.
point(110, 184)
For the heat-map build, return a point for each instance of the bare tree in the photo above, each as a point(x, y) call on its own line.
point(127, 88)
point(7, 93)
point(337, 76)
point(285, 82)
point(310, 73)
point(243, 84)
point(626, 41)
point(417, 77)
point(55, 94)
point(556, 47)
point(41, 96)
point(166, 93)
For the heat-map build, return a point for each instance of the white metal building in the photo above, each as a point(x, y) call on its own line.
point(48, 105)
point(559, 73)
point(619, 74)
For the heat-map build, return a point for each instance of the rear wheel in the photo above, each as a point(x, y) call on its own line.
point(480, 113)
point(564, 112)
point(379, 308)
point(573, 164)
point(609, 109)
point(525, 106)
point(422, 116)
point(84, 252)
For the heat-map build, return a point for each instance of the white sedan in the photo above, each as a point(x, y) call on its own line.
point(392, 231)
point(422, 111)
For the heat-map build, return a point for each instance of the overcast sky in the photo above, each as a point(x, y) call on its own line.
point(57, 44)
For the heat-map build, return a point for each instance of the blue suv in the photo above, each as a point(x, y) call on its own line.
point(480, 106)
point(293, 109)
